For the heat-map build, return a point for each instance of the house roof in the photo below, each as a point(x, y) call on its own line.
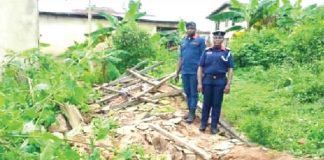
point(64, 8)
point(219, 9)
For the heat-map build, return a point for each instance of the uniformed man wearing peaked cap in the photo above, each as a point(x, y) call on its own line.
point(214, 76)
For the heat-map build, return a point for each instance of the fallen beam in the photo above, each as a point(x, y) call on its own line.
point(153, 87)
point(73, 115)
point(169, 94)
point(143, 71)
point(145, 79)
point(181, 142)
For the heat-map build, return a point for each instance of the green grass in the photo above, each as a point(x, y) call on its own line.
point(273, 116)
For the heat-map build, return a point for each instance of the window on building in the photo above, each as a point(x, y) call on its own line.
point(226, 23)
point(217, 25)
point(233, 23)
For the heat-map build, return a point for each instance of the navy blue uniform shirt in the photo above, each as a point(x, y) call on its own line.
point(190, 52)
point(216, 61)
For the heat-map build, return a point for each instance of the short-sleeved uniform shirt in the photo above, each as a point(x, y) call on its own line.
point(215, 61)
point(191, 50)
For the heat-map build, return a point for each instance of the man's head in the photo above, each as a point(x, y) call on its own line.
point(191, 28)
point(218, 38)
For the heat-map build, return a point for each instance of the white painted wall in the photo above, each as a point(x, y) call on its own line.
point(62, 31)
point(18, 25)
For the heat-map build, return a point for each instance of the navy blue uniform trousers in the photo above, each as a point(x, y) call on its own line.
point(189, 82)
point(213, 98)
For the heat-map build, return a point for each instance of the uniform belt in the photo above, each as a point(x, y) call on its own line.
point(215, 76)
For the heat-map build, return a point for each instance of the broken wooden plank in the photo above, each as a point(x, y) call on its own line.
point(123, 105)
point(133, 68)
point(125, 93)
point(73, 115)
point(107, 98)
point(169, 94)
point(120, 92)
point(153, 87)
point(145, 79)
point(146, 99)
point(143, 71)
point(181, 142)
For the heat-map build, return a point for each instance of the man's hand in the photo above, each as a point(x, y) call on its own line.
point(227, 89)
point(176, 77)
point(200, 88)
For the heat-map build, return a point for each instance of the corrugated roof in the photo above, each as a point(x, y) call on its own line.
point(69, 8)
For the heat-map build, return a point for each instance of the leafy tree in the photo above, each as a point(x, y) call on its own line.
point(253, 13)
point(262, 13)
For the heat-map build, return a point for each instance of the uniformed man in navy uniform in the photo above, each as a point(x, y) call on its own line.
point(214, 76)
point(191, 49)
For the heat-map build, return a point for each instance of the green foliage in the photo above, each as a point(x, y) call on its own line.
point(33, 86)
point(254, 13)
point(103, 127)
point(132, 152)
point(169, 39)
point(168, 57)
point(182, 28)
point(277, 98)
point(264, 48)
point(133, 12)
point(136, 42)
point(307, 42)
point(278, 107)
point(270, 46)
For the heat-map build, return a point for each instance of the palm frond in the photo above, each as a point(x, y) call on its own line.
point(112, 19)
point(236, 4)
point(234, 28)
point(229, 15)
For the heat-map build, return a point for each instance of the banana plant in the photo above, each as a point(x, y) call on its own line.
point(253, 13)
point(131, 16)
point(290, 15)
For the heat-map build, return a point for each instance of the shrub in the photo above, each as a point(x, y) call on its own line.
point(135, 42)
point(262, 48)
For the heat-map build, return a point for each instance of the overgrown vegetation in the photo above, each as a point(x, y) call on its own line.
point(277, 98)
point(33, 86)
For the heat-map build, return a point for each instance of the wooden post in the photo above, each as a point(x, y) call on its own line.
point(181, 142)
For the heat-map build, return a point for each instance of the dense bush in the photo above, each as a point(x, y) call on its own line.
point(273, 46)
point(278, 94)
point(135, 42)
point(264, 48)
point(32, 87)
point(306, 43)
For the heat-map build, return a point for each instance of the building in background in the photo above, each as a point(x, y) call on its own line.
point(61, 28)
point(224, 25)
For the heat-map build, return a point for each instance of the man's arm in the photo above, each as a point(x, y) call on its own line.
point(229, 80)
point(199, 78)
point(202, 45)
point(178, 69)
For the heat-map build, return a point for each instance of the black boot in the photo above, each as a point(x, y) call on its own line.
point(202, 129)
point(191, 116)
point(213, 131)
